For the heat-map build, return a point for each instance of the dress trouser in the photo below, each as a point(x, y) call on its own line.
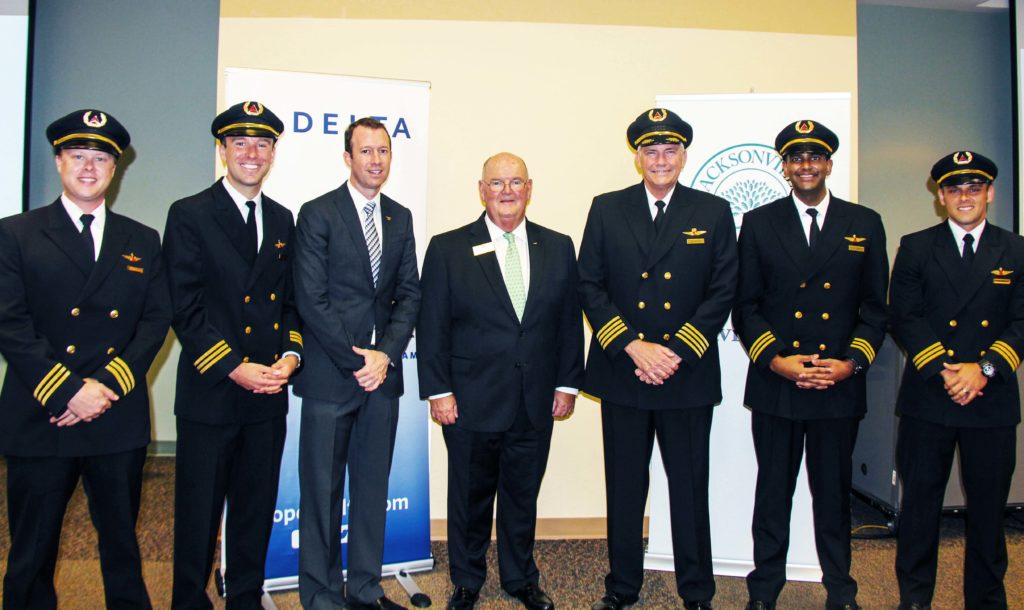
point(38, 490)
point(359, 435)
point(510, 464)
point(683, 438)
point(779, 446)
point(924, 457)
point(239, 463)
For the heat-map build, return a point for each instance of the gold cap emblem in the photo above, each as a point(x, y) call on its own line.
point(657, 115)
point(963, 157)
point(94, 119)
point(253, 108)
point(804, 126)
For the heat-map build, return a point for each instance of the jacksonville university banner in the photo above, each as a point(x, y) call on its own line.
point(316, 109)
point(733, 156)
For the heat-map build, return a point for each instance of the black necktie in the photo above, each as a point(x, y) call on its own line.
point(660, 215)
point(90, 244)
point(968, 254)
point(250, 231)
point(815, 230)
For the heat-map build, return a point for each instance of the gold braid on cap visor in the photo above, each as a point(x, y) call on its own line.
point(964, 171)
point(806, 141)
point(248, 126)
point(87, 136)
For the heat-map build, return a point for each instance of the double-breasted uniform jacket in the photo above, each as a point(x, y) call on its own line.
point(674, 288)
point(470, 342)
point(227, 311)
point(829, 302)
point(64, 319)
point(338, 301)
point(944, 313)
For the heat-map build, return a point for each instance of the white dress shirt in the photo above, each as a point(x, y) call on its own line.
point(99, 220)
point(651, 200)
point(805, 218)
point(243, 209)
point(959, 232)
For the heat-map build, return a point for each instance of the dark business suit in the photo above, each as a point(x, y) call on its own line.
point(943, 312)
point(503, 373)
point(792, 300)
point(343, 425)
point(64, 318)
point(674, 288)
point(228, 309)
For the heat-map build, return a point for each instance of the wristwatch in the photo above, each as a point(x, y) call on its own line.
point(987, 368)
point(857, 369)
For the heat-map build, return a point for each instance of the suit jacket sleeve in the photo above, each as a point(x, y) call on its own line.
point(760, 338)
point(29, 355)
point(1010, 343)
point(909, 317)
point(407, 298)
point(872, 311)
point(570, 343)
point(291, 323)
point(613, 332)
point(691, 340)
point(202, 343)
point(150, 331)
point(433, 336)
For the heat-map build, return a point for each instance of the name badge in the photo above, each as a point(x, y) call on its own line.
point(483, 248)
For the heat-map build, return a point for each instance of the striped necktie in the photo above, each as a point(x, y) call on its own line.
point(372, 240)
point(514, 276)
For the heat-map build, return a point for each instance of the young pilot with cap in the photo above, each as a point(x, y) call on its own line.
point(657, 268)
point(957, 304)
point(228, 251)
point(83, 311)
point(811, 314)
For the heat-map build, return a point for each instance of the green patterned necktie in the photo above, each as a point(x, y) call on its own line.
point(514, 276)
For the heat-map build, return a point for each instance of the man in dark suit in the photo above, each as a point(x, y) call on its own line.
point(957, 306)
point(83, 312)
point(228, 252)
point(500, 354)
point(657, 271)
point(358, 292)
point(811, 313)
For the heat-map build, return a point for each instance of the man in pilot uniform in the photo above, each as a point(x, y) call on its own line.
point(83, 312)
point(228, 255)
point(811, 313)
point(957, 304)
point(657, 268)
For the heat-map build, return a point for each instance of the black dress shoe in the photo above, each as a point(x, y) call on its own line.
point(914, 606)
point(463, 598)
point(758, 605)
point(613, 601)
point(698, 605)
point(533, 598)
point(381, 603)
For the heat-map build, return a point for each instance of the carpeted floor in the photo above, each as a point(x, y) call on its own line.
point(572, 570)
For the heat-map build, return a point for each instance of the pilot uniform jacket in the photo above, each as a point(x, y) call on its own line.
point(675, 289)
point(227, 311)
point(63, 319)
point(829, 302)
point(340, 305)
point(944, 313)
point(470, 342)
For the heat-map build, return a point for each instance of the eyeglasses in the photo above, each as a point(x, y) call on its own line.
point(806, 157)
point(971, 189)
point(497, 185)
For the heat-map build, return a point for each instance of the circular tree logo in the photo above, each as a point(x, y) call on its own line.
point(746, 175)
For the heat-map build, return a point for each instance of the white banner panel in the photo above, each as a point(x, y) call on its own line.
point(733, 156)
point(316, 109)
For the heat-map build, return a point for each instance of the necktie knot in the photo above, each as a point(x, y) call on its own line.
point(251, 205)
point(813, 213)
point(969, 241)
point(510, 237)
point(368, 208)
point(86, 221)
point(660, 205)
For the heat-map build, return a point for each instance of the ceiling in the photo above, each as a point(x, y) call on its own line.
point(956, 5)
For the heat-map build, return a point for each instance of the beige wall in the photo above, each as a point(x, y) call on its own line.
point(558, 94)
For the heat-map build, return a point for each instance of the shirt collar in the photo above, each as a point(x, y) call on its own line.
point(498, 234)
point(651, 199)
point(359, 199)
point(959, 232)
point(801, 207)
point(75, 212)
point(239, 198)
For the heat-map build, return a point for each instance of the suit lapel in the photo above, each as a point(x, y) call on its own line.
point(832, 235)
point(387, 239)
point(948, 257)
point(268, 250)
point(538, 270)
point(790, 232)
point(986, 255)
point(354, 224)
point(488, 262)
point(638, 217)
point(677, 218)
point(115, 240)
point(61, 231)
point(228, 218)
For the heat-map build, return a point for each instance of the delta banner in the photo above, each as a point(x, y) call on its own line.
point(733, 156)
point(316, 109)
